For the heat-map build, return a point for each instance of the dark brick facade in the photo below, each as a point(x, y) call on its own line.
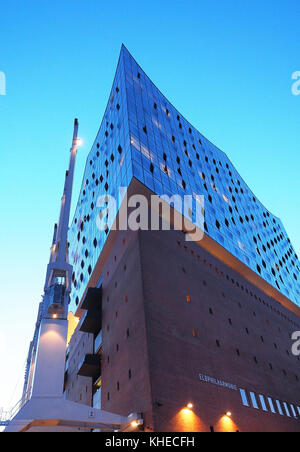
point(172, 311)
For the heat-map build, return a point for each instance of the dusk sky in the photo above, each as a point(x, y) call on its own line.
point(226, 65)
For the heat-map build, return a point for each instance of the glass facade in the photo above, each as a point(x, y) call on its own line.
point(143, 136)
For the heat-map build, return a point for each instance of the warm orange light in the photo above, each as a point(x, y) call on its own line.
point(226, 424)
point(190, 406)
point(54, 316)
point(134, 424)
point(72, 325)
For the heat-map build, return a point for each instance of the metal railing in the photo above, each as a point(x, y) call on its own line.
point(7, 416)
point(4, 418)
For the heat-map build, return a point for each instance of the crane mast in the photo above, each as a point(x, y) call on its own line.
point(54, 306)
point(43, 406)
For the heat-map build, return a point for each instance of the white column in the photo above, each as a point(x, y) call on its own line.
point(50, 360)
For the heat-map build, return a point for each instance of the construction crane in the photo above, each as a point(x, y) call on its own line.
point(43, 406)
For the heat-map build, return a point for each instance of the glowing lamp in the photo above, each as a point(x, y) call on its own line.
point(190, 406)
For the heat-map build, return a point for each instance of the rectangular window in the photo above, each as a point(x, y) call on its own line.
point(286, 409)
point(244, 397)
point(271, 404)
point(279, 407)
point(254, 401)
point(293, 411)
point(263, 403)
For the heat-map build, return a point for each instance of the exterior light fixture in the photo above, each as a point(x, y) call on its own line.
point(229, 414)
point(79, 142)
point(54, 316)
point(190, 406)
point(134, 424)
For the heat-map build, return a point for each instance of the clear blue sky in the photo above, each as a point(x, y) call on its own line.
point(225, 64)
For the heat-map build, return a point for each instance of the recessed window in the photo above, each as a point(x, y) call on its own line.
point(244, 397)
point(293, 411)
point(254, 401)
point(271, 404)
point(279, 408)
point(286, 409)
point(263, 403)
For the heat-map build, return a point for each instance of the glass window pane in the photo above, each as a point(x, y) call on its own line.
point(254, 401)
point(293, 410)
point(279, 407)
point(271, 405)
point(244, 397)
point(263, 403)
point(286, 409)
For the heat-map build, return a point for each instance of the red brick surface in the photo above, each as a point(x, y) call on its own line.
point(148, 330)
